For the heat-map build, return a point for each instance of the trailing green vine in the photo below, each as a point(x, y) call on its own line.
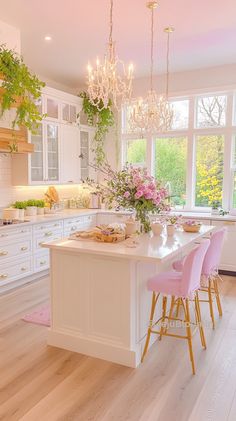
point(102, 120)
point(18, 82)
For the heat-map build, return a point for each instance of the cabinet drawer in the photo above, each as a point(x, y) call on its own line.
point(41, 262)
point(12, 233)
point(39, 240)
point(15, 270)
point(89, 221)
point(48, 227)
point(14, 250)
point(68, 223)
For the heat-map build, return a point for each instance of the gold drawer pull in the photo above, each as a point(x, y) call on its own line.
point(24, 248)
point(56, 225)
point(4, 276)
point(48, 234)
point(23, 269)
point(3, 235)
point(23, 231)
point(3, 253)
point(43, 262)
point(73, 228)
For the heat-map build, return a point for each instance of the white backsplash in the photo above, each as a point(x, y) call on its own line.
point(9, 193)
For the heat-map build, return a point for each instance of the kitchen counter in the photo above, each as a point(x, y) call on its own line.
point(205, 216)
point(99, 301)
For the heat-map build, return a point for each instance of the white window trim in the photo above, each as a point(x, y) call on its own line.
point(192, 132)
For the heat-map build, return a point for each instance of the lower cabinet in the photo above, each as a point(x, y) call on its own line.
point(41, 261)
point(228, 257)
point(13, 270)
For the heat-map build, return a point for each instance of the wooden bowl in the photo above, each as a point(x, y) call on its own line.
point(191, 228)
point(111, 238)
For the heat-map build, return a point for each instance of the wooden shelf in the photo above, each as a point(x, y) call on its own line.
point(22, 147)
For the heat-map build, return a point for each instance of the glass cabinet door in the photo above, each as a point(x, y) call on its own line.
point(84, 151)
point(52, 108)
point(69, 113)
point(37, 167)
point(52, 148)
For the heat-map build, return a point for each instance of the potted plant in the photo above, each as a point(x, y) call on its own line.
point(19, 89)
point(215, 205)
point(21, 206)
point(40, 204)
point(172, 222)
point(31, 207)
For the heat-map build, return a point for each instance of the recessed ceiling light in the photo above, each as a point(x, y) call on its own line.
point(48, 38)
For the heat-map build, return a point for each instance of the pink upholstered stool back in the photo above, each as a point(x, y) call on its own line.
point(212, 258)
point(192, 269)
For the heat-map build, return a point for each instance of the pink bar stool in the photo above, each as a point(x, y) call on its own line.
point(180, 286)
point(210, 275)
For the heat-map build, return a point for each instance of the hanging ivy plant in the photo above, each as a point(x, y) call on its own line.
point(102, 120)
point(20, 88)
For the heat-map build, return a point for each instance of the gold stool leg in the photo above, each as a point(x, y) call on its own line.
point(215, 283)
point(199, 320)
point(211, 304)
point(154, 301)
point(189, 334)
point(164, 304)
point(178, 307)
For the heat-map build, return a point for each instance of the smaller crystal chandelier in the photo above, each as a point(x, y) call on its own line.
point(109, 82)
point(155, 113)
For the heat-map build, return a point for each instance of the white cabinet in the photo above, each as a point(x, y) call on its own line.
point(69, 113)
point(80, 223)
point(70, 163)
point(56, 144)
point(43, 165)
point(86, 152)
point(228, 257)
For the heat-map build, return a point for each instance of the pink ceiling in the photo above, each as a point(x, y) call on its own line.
point(205, 34)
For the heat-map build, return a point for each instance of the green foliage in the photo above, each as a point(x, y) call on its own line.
point(31, 202)
point(102, 120)
point(19, 82)
point(210, 150)
point(19, 205)
point(40, 203)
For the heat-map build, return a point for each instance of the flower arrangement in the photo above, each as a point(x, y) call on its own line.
point(133, 188)
point(191, 222)
point(173, 220)
point(191, 225)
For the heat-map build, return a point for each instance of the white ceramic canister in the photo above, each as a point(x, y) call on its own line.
point(10, 214)
point(31, 211)
point(170, 229)
point(157, 228)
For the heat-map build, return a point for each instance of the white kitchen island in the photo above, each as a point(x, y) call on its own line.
point(99, 301)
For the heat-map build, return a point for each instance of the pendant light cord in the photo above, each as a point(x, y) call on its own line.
point(167, 64)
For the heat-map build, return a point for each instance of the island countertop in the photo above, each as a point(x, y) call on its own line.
point(149, 248)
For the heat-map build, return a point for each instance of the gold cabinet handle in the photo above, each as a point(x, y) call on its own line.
point(3, 276)
point(73, 228)
point(23, 269)
point(23, 231)
point(43, 262)
point(24, 248)
point(3, 253)
point(48, 234)
point(4, 235)
point(56, 225)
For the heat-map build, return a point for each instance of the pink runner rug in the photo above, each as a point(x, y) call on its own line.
point(40, 316)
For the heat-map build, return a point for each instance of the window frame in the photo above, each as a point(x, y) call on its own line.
point(191, 133)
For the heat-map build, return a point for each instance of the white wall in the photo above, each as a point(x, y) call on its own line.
point(10, 36)
point(199, 79)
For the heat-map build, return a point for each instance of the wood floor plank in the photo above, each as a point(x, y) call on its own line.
point(38, 382)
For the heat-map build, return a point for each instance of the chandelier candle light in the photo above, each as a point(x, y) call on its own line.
point(109, 82)
point(155, 113)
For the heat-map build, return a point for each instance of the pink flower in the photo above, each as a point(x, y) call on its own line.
point(138, 194)
point(127, 194)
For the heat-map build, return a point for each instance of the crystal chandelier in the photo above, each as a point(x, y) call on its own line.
point(155, 113)
point(110, 81)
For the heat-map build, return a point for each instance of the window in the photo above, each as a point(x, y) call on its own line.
point(181, 114)
point(196, 159)
point(211, 111)
point(209, 170)
point(136, 152)
point(170, 166)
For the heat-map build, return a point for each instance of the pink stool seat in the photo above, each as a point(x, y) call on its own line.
point(167, 283)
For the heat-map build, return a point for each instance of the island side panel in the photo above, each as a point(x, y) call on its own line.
point(93, 306)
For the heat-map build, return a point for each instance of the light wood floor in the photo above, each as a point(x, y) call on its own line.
point(44, 383)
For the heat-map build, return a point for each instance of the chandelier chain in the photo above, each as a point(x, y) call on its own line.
point(111, 23)
point(152, 45)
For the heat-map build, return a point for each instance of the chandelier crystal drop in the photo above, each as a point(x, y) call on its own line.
point(109, 82)
point(155, 113)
